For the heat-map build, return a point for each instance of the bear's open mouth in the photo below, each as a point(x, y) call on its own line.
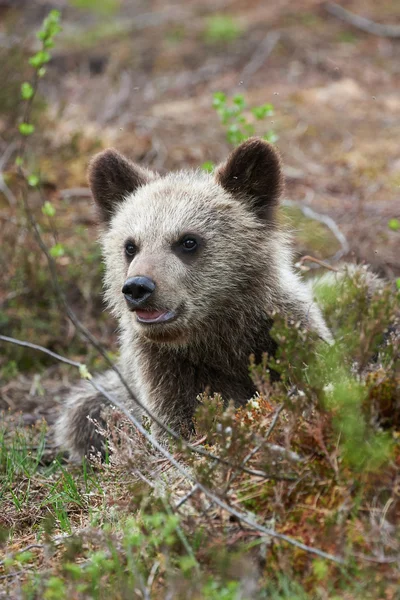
point(154, 316)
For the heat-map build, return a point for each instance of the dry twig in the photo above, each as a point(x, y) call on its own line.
point(328, 221)
point(388, 31)
point(319, 262)
point(261, 54)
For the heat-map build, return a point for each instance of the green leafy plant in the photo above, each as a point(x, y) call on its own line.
point(240, 121)
point(394, 224)
point(235, 119)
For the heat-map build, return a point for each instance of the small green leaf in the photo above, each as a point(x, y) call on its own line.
point(75, 571)
point(219, 98)
point(48, 209)
point(394, 224)
point(41, 72)
point(33, 180)
point(84, 373)
point(320, 569)
point(26, 128)
point(26, 91)
point(39, 59)
point(239, 101)
point(57, 250)
point(260, 112)
point(271, 137)
point(19, 161)
point(398, 283)
point(208, 166)
point(25, 557)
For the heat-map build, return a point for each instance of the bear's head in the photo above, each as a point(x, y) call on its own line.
point(189, 250)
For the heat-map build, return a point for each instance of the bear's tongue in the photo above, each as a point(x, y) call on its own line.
point(153, 316)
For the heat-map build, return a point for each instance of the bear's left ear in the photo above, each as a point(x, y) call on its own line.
point(253, 174)
point(112, 177)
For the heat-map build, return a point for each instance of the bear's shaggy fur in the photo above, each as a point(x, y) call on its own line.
point(221, 293)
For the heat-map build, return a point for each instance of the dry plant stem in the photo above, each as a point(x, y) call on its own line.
point(328, 221)
point(80, 192)
point(389, 31)
point(10, 197)
point(15, 574)
point(192, 448)
point(67, 361)
point(319, 262)
point(187, 475)
point(260, 55)
point(259, 446)
point(186, 497)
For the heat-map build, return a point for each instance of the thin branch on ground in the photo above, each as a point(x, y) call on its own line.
point(326, 220)
point(10, 197)
point(366, 25)
point(18, 552)
point(259, 57)
point(78, 192)
point(319, 262)
point(14, 574)
point(258, 446)
point(190, 493)
point(68, 361)
point(384, 560)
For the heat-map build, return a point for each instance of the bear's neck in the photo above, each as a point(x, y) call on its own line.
point(172, 377)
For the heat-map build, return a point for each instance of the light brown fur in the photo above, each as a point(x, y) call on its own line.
point(223, 294)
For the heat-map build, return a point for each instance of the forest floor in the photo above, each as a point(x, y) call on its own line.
point(140, 75)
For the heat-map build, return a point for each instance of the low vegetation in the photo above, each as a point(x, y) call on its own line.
point(294, 496)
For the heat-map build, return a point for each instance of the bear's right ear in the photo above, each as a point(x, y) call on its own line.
point(111, 178)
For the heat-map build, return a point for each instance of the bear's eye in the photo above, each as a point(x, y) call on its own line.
point(130, 249)
point(189, 243)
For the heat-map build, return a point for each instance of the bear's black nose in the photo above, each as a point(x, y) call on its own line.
point(138, 289)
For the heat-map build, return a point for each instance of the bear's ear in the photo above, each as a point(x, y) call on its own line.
point(253, 174)
point(111, 178)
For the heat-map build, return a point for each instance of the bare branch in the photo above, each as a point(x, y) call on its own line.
point(259, 446)
point(388, 31)
point(326, 220)
point(319, 262)
point(260, 55)
point(80, 192)
point(68, 361)
point(3, 186)
point(190, 493)
point(14, 574)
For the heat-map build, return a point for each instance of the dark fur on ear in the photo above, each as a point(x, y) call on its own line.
point(253, 173)
point(111, 178)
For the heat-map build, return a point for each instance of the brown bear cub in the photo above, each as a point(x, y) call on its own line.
point(196, 264)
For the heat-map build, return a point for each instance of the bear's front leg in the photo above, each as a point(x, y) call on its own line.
point(77, 428)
